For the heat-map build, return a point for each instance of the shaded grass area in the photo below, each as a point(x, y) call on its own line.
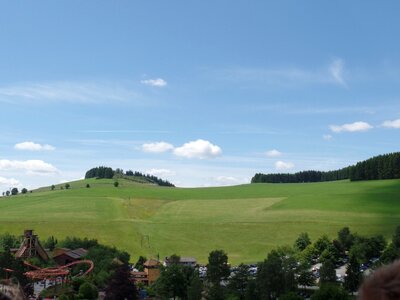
point(247, 221)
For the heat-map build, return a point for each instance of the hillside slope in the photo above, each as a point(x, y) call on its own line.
point(246, 221)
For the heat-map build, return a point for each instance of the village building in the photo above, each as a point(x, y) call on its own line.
point(184, 261)
point(151, 272)
point(64, 256)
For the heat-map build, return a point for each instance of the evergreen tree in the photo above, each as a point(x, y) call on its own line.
point(119, 286)
point(353, 275)
point(217, 267)
point(217, 270)
point(172, 283)
point(195, 288)
point(140, 263)
point(239, 281)
point(345, 238)
point(302, 241)
point(276, 275)
point(327, 272)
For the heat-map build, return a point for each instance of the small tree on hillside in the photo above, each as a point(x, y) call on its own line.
point(14, 191)
point(53, 187)
point(24, 191)
point(67, 186)
point(116, 183)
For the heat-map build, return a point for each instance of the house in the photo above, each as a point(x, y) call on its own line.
point(151, 272)
point(184, 261)
point(64, 256)
point(140, 277)
point(152, 268)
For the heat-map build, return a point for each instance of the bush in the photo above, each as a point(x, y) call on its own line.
point(116, 183)
point(88, 291)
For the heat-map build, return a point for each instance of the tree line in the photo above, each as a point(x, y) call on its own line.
point(286, 272)
point(385, 166)
point(108, 173)
point(283, 274)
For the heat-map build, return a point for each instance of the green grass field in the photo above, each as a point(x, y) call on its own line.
point(247, 221)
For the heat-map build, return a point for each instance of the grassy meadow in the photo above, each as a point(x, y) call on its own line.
point(247, 221)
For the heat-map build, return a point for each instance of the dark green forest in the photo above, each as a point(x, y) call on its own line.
point(108, 173)
point(386, 166)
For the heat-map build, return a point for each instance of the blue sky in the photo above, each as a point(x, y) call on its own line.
point(200, 93)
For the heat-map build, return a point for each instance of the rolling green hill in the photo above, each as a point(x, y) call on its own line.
point(247, 221)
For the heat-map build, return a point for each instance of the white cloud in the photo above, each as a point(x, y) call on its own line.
point(229, 180)
point(281, 165)
point(30, 166)
point(336, 71)
point(198, 149)
point(273, 153)
point(160, 172)
point(9, 182)
point(351, 127)
point(68, 91)
point(327, 137)
point(31, 146)
point(157, 147)
point(392, 124)
point(158, 82)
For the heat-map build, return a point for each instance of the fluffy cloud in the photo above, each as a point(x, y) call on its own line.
point(158, 82)
point(282, 166)
point(9, 182)
point(352, 127)
point(392, 124)
point(336, 71)
point(157, 147)
point(273, 153)
point(198, 149)
point(160, 172)
point(30, 166)
point(31, 146)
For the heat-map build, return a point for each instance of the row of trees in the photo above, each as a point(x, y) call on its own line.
point(385, 166)
point(303, 176)
point(285, 272)
point(14, 191)
point(106, 172)
point(100, 172)
point(151, 178)
point(379, 167)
